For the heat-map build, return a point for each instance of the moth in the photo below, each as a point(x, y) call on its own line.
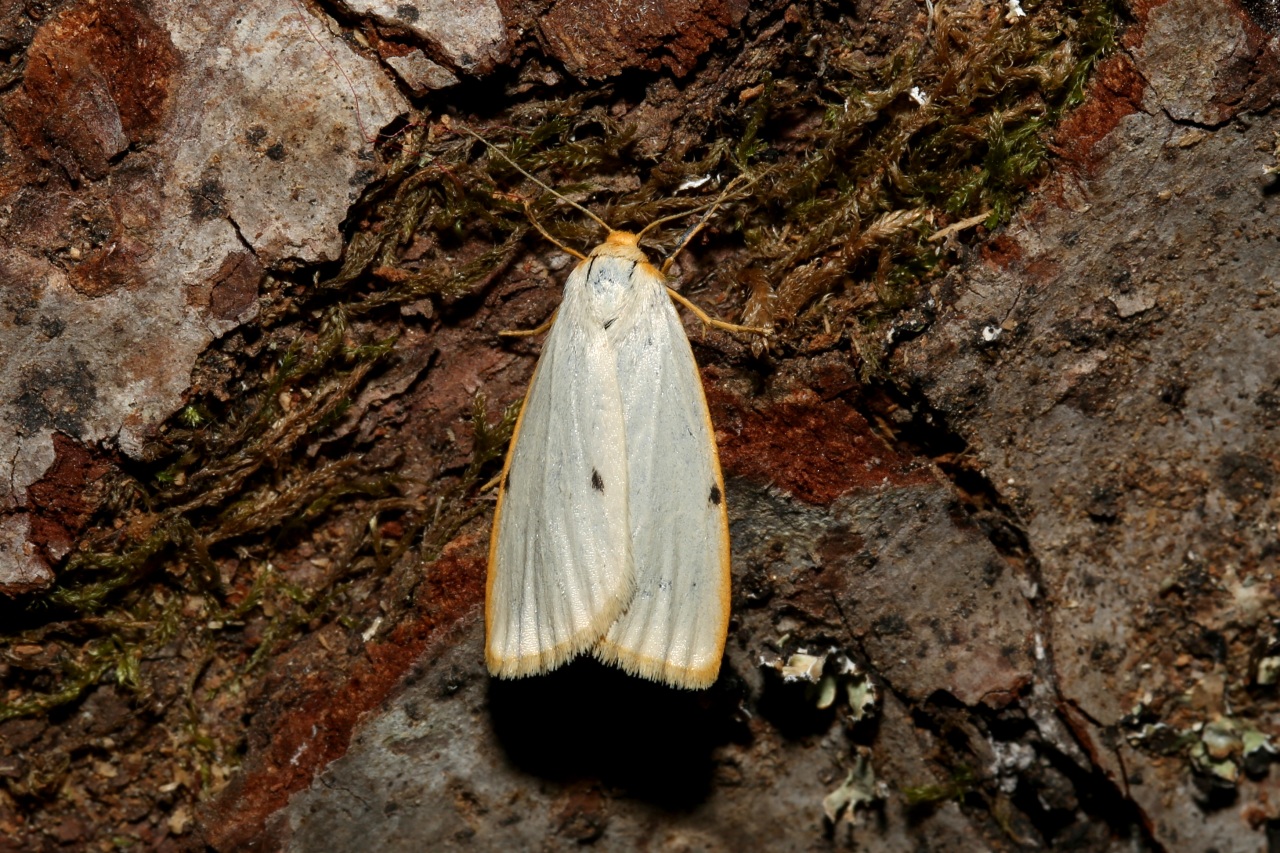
point(611, 533)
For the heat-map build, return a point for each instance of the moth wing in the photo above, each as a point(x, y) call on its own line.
point(560, 569)
point(674, 628)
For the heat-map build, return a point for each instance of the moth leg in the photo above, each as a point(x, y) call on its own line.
point(708, 320)
point(528, 333)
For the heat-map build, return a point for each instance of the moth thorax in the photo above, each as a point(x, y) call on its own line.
point(611, 283)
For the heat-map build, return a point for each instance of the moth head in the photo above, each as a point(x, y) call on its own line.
point(621, 244)
point(622, 239)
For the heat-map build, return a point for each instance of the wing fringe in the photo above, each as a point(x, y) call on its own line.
point(656, 669)
point(584, 640)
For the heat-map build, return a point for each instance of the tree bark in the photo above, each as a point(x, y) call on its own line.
point(1004, 539)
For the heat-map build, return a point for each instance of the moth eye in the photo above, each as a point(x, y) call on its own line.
point(715, 496)
point(597, 482)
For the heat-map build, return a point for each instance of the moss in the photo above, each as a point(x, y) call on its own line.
point(942, 130)
point(962, 781)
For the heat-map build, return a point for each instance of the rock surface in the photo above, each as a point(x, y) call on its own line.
point(694, 769)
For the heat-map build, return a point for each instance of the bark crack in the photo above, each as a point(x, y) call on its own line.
point(931, 436)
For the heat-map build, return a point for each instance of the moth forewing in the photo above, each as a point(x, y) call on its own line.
point(675, 627)
point(560, 557)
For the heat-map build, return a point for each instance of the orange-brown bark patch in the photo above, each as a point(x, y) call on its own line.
point(64, 499)
point(319, 714)
point(814, 449)
point(1116, 91)
point(601, 38)
point(97, 80)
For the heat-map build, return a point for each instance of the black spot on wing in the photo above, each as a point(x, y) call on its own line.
point(715, 497)
point(610, 322)
point(597, 482)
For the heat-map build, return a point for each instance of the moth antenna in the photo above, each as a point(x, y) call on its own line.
point(302, 16)
point(710, 211)
point(710, 207)
point(528, 211)
point(496, 150)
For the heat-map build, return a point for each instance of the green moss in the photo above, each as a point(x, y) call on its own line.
point(945, 129)
point(962, 781)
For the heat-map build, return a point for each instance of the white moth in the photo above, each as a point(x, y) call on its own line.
point(611, 534)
